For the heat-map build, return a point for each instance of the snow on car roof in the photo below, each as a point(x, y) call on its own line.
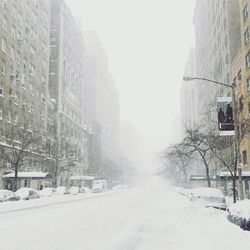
point(82, 177)
point(206, 191)
point(241, 209)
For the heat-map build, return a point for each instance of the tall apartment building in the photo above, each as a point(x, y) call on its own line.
point(241, 79)
point(101, 102)
point(217, 38)
point(65, 90)
point(24, 53)
point(189, 95)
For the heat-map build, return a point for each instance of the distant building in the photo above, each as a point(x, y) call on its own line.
point(66, 79)
point(217, 38)
point(101, 102)
point(189, 95)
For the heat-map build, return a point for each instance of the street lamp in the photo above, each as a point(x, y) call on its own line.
point(237, 150)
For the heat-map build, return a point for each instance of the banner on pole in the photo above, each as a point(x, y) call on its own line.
point(225, 116)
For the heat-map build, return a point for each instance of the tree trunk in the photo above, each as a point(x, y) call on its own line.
point(207, 173)
point(15, 179)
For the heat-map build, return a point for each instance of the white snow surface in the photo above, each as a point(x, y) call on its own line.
point(150, 217)
point(241, 209)
point(207, 192)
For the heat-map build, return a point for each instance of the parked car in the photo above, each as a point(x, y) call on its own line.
point(7, 195)
point(47, 192)
point(85, 190)
point(62, 190)
point(208, 197)
point(74, 190)
point(239, 214)
point(26, 193)
point(99, 186)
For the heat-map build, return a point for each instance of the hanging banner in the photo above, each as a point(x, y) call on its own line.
point(225, 116)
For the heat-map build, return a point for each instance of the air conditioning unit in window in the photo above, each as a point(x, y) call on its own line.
point(12, 77)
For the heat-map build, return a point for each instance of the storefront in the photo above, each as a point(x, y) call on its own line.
point(36, 180)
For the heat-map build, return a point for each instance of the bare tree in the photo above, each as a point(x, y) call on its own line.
point(180, 158)
point(64, 157)
point(22, 141)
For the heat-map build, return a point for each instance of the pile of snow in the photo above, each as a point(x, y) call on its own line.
point(74, 190)
point(183, 191)
point(241, 209)
point(208, 197)
point(61, 190)
point(207, 192)
point(47, 192)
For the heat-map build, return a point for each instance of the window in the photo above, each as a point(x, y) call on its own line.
point(243, 129)
point(3, 67)
point(3, 47)
point(14, 12)
point(246, 36)
point(42, 98)
point(241, 104)
point(244, 157)
point(9, 117)
point(245, 13)
point(5, 27)
point(18, 57)
point(248, 59)
point(248, 85)
point(13, 32)
point(4, 3)
point(239, 75)
point(12, 53)
point(16, 99)
point(31, 69)
point(227, 60)
point(1, 89)
point(234, 81)
point(15, 120)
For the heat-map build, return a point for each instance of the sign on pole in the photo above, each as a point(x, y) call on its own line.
point(225, 116)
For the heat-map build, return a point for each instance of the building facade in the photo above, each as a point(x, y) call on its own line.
point(241, 80)
point(217, 39)
point(189, 95)
point(24, 64)
point(101, 102)
point(68, 145)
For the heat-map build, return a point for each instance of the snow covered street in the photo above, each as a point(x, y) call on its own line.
point(148, 217)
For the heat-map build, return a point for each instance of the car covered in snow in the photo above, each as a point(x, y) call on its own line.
point(74, 190)
point(239, 214)
point(7, 195)
point(26, 193)
point(208, 197)
point(99, 186)
point(47, 192)
point(62, 190)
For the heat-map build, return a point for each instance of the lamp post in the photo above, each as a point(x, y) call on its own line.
point(237, 149)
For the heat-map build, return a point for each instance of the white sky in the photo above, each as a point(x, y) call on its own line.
point(147, 43)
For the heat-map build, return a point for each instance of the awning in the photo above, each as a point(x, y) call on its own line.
point(82, 178)
point(29, 175)
point(227, 175)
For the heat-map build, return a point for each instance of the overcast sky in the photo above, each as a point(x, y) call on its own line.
point(147, 43)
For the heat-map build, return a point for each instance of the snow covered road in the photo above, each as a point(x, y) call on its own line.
point(150, 217)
